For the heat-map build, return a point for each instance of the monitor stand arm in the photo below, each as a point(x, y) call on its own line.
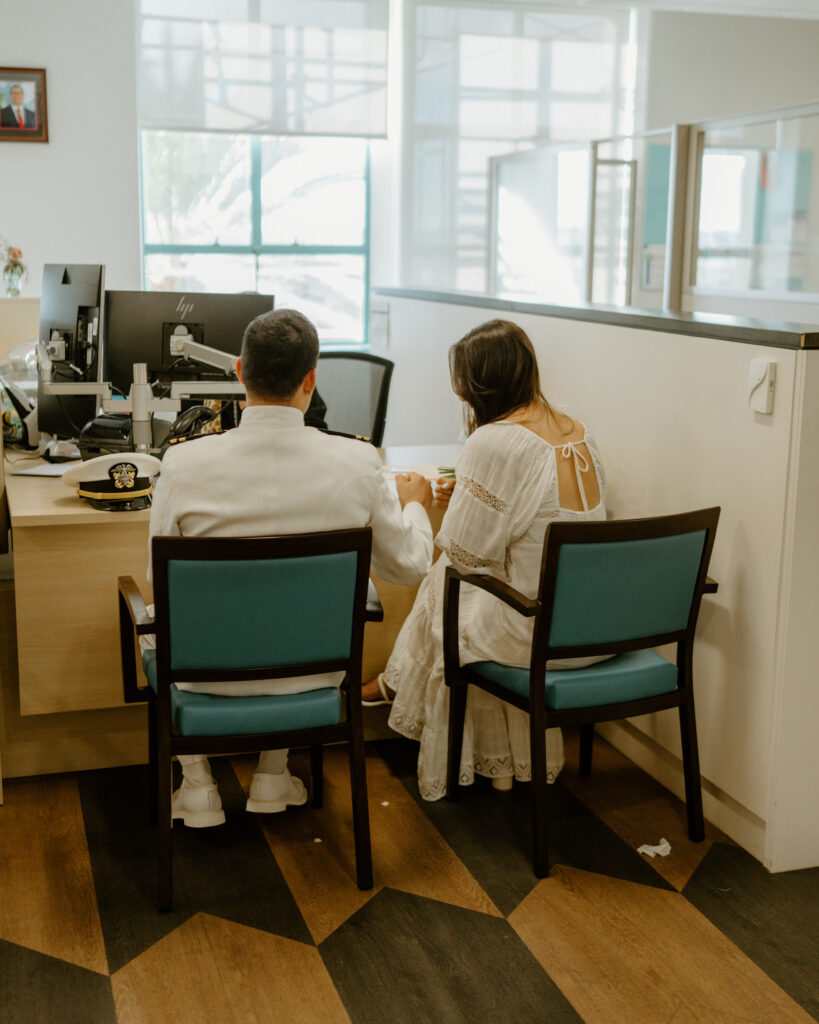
point(182, 344)
point(141, 402)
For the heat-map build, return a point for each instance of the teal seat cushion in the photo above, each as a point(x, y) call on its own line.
point(204, 714)
point(625, 677)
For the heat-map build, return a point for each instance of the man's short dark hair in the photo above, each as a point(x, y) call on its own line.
point(278, 350)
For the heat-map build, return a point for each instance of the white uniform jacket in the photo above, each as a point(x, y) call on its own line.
point(272, 475)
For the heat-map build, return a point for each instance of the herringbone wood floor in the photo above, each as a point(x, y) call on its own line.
point(268, 924)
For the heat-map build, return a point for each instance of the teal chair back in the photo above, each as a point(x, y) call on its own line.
point(620, 590)
point(259, 607)
point(241, 614)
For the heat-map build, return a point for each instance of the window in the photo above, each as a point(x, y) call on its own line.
point(484, 80)
point(757, 229)
point(286, 215)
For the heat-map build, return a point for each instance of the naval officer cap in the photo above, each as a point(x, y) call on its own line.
point(123, 481)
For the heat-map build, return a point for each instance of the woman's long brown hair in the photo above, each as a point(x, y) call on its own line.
point(494, 370)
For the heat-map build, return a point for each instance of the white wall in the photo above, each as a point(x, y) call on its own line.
point(75, 198)
point(671, 417)
point(794, 788)
point(711, 65)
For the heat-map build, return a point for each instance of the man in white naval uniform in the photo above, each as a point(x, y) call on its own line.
point(274, 475)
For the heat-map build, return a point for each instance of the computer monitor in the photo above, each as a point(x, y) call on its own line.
point(138, 327)
point(70, 328)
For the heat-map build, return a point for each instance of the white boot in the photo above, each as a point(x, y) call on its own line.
point(198, 806)
point(197, 801)
point(270, 794)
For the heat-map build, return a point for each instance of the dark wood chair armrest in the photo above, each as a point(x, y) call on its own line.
point(375, 610)
point(135, 604)
point(452, 586)
point(133, 618)
point(525, 605)
point(711, 586)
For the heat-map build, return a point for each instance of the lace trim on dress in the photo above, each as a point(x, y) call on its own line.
point(492, 768)
point(480, 492)
point(409, 727)
point(471, 561)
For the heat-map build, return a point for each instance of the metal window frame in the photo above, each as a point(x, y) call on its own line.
point(688, 269)
point(256, 248)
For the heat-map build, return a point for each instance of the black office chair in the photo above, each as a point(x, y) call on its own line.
point(356, 387)
point(287, 606)
point(605, 587)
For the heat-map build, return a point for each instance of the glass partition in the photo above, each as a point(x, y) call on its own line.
point(757, 223)
point(541, 212)
point(589, 222)
point(582, 222)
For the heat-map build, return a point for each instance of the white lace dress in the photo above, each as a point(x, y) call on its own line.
point(506, 494)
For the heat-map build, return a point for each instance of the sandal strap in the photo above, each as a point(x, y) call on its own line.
point(382, 687)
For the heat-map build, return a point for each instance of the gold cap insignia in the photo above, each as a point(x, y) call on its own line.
point(123, 475)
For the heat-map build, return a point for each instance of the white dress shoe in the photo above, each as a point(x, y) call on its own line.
point(503, 783)
point(270, 794)
point(198, 806)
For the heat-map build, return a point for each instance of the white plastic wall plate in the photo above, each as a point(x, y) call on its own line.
point(761, 381)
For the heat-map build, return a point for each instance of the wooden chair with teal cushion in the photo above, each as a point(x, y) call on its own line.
point(236, 609)
point(620, 588)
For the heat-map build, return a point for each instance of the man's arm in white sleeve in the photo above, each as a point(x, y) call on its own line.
point(402, 538)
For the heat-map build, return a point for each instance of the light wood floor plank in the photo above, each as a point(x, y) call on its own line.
point(630, 954)
point(637, 808)
point(211, 971)
point(705, 1015)
point(408, 851)
point(48, 899)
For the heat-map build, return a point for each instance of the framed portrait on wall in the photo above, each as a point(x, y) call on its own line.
point(23, 111)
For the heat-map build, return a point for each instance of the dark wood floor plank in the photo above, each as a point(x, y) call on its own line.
point(404, 959)
point(227, 871)
point(38, 989)
point(774, 919)
point(628, 953)
point(48, 901)
point(212, 971)
point(637, 808)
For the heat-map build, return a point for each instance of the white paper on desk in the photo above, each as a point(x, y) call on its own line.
point(430, 472)
point(42, 469)
point(662, 849)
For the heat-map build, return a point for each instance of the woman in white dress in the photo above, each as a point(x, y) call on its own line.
point(523, 465)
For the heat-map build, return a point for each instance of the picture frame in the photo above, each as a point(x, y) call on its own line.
point(23, 109)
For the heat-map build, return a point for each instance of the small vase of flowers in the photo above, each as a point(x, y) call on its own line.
point(13, 271)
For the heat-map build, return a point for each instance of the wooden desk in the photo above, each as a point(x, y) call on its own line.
point(62, 695)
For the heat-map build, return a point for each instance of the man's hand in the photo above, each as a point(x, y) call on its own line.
point(413, 487)
point(443, 491)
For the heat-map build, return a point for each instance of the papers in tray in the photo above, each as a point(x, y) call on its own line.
point(41, 469)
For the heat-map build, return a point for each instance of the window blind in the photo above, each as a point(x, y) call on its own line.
point(314, 67)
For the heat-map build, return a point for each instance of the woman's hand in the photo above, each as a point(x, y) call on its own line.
point(443, 492)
